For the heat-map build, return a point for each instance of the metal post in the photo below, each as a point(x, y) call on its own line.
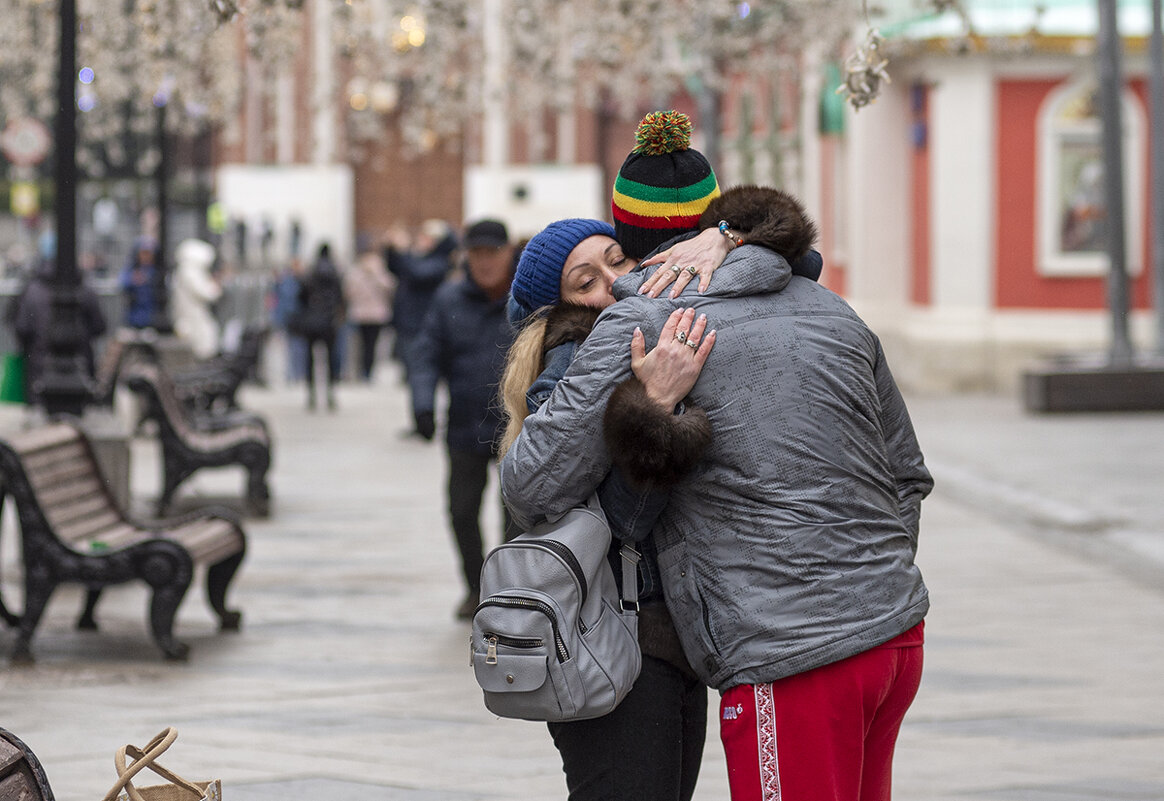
point(161, 320)
point(64, 388)
point(66, 148)
point(1156, 90)
point(1110, 88)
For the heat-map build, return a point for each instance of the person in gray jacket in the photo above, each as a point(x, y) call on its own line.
point(787, 554)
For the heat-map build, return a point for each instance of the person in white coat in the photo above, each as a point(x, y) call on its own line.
point(194, 291)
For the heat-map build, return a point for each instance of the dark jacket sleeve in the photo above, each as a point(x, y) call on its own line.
point(425, 358)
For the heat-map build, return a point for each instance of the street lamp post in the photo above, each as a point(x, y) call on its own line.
point(64, 387)
point(1156, 84)
point(1110, 93)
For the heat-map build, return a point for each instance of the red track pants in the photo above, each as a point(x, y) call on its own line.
point(826, 734)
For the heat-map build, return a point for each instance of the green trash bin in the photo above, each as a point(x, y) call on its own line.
point(12, 381)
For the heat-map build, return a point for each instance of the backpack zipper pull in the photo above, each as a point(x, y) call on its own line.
point(491, 651)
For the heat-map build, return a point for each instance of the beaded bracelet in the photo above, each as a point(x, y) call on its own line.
point(725, 229)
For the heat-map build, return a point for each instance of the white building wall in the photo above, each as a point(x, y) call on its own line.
point(876, 205)
point(319, 197)
point(962, 188)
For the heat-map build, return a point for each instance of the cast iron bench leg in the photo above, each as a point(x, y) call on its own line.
point(38, 588)
point(88, 620)
point(168, 569)
point(218, 577)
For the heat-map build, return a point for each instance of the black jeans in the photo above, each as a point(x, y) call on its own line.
point(328, 341)
point(648, 749)
point(468, 475)
point(369, 335)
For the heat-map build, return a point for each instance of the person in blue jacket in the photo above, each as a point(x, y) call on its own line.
point(139, 284)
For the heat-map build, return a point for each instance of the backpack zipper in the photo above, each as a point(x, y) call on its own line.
point(493, 640)
point(539, 606)
point(570, 559)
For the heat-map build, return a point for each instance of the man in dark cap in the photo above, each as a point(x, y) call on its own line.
point(463, 343)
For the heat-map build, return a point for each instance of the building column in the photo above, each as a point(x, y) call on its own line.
point(323, 96)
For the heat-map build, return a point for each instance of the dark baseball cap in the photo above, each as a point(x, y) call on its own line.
point(486, 234)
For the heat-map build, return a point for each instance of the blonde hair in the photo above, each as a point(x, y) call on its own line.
point(523, 364)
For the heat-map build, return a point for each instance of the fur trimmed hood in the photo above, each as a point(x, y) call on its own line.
point(568, 322)
point(767, 217)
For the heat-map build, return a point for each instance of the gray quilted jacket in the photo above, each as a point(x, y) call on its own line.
point(792, 545)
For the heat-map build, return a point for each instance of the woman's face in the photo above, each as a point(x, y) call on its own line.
point(590, 271)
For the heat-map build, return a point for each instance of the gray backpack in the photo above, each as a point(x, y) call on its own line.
point(551, 638)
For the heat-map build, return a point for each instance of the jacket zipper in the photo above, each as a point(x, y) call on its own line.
point(539, 606)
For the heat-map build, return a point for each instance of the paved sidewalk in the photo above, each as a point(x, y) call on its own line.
point(1045, 645)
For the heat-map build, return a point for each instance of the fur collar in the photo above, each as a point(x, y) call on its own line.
point(767, 217)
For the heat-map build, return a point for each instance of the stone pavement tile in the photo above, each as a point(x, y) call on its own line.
point(1043, 673)
point(1090, 481)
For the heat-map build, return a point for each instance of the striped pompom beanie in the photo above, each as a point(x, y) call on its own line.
point(662, 187)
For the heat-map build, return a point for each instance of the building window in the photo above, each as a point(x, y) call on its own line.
point(1072, 211)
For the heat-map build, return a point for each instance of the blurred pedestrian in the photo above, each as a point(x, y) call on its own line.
point(368, 291)
point(284, 311)
point(463, 344)
point(139, 283)
point(420, 267)
point(321, 300)
point(31, 317)
point(194, 293)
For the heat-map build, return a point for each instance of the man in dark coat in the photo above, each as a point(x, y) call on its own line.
point(463, 343)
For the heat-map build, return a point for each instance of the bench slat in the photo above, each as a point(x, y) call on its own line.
point(86, 527)
point(34, 439)
point(59, 473)
point(208, 540)
point(92, 505)
point(62, 493)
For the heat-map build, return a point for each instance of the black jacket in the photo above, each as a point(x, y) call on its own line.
point(463, 342)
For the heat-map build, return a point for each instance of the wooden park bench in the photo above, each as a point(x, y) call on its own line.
point(72, 531)
point(214, 383)
point(190, 443)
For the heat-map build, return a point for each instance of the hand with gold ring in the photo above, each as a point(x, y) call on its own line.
point(670, 370)
point(681, 263)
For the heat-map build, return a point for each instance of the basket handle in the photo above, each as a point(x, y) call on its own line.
point(147, 758)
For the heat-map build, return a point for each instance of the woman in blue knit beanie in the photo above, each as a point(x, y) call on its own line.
point(562, 283)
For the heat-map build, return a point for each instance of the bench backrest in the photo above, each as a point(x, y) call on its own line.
point(53, 474)
point(155, 385)
point(126, 344)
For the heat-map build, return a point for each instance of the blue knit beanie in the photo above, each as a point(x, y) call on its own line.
point(538, 280)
